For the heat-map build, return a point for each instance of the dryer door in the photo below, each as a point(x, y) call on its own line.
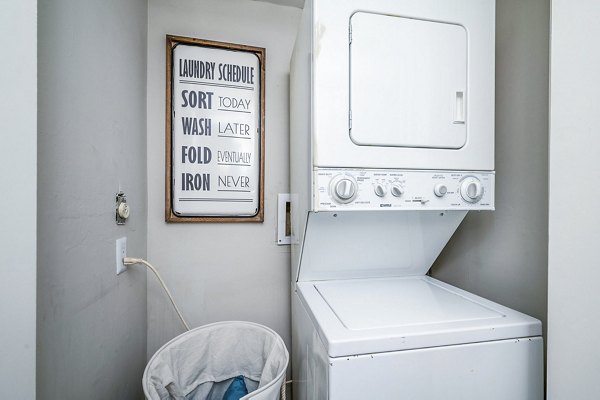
point(408, 82)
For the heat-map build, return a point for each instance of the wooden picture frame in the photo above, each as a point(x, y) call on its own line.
point(214, 175)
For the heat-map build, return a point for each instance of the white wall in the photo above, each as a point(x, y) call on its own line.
point(502, 255)
point(220, 271)
point(574, 270)
point(92, 142)
point(18, 166)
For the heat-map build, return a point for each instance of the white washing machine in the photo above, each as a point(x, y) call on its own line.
point(411, 338)
point(392, 143)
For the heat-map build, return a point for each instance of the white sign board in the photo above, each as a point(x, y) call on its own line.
point(216, 131)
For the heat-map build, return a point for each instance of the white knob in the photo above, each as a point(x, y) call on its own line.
point(343, 189)
point(440, 190)
point(397, 190)
point(380, 190)
point(471, 190)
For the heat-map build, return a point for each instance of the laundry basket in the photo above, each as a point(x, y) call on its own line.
point(202, 363)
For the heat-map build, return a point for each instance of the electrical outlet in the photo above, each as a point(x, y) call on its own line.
point(121, 253)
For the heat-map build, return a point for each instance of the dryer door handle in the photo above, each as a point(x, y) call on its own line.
point(459, 108)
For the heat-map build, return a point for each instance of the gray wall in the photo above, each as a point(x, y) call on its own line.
point(573, 268)
point(502, 255)
point(220, 271)
point(92, 142)
point(18, 168)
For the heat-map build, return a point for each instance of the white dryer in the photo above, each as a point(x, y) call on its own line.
point(392, 143)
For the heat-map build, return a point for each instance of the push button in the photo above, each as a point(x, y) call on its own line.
point(440, 190)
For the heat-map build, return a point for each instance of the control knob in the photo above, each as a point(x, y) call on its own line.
point(380, 190)
point(471, 189)
point(397, 190)
point(343, 189)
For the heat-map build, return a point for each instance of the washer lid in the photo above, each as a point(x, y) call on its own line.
point(363, 316)
point(376, 304)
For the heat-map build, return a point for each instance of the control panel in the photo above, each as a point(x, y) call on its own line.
point(370, 189)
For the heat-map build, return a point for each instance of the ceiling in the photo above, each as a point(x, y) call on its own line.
point(289, 3)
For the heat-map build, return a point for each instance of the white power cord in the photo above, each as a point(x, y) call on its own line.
point(132, 261)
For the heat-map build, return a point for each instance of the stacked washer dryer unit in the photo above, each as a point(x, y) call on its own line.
point(392, 143)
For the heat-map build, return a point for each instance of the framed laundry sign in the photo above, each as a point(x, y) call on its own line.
point(215, 112)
